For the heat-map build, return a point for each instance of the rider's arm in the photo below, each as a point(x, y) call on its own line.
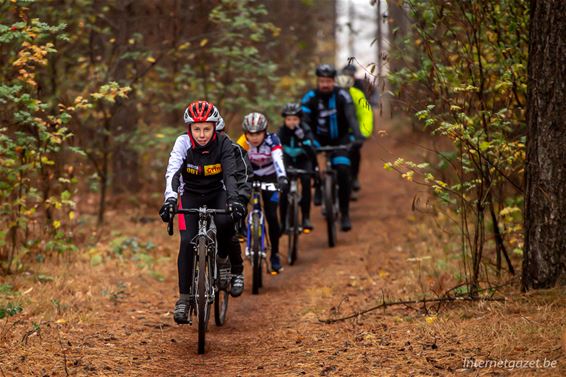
point(350, 113)
point(175, 165)
point(277, 156)
point(228, 168)
point(307, 106)
point(244, 174)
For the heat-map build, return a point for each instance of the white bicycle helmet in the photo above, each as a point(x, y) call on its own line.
point(220, 125)
point(254, 122)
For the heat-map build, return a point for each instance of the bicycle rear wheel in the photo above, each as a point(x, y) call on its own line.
point(203, 287)
point(220, 307)
point(293, 229)
point(256, 258)
point(329, 209)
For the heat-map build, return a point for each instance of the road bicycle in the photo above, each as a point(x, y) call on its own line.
point(205, 286)
point(329, 187)
point(294, 228)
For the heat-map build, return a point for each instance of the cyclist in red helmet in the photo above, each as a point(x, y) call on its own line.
point(202, 169)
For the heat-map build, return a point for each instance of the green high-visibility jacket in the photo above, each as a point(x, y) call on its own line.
point(364, 112)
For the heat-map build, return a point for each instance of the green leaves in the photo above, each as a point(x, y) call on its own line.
point(111, 92)
point(464, 69)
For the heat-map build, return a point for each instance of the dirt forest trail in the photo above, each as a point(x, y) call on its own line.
point(276, 332)
point(129, 330)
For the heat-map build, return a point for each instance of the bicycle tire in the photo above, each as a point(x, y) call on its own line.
point(329, 210)
point(221, 307)
point(256, 258)
point(202, 302)
point(293, 229)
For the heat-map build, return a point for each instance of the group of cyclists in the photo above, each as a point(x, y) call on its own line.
point(207, 168)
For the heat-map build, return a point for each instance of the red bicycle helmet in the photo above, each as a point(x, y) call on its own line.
point(201, 111)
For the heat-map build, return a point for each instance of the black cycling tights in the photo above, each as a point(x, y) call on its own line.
point(356, 159)
point(270, 207)
point(225, 233)
point(344, 188)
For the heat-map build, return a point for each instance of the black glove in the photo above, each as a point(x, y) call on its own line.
point(237, 210)
point(283, 183)
point(167, 209)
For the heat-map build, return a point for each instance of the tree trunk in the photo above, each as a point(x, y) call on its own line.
point(544, 262)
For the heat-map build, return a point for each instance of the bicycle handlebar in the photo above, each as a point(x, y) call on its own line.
point(202, 210)
point(333, 148)
point(297, 172)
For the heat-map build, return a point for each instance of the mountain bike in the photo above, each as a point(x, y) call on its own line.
point(257, 239)
point(294, 229)
point(329, 187)
point(204, 288)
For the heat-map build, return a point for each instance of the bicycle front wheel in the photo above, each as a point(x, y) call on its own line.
point(202, 290)
point(330, 215)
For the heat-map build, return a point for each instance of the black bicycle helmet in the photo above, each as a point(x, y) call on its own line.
point(325, 70)
point(292, 109)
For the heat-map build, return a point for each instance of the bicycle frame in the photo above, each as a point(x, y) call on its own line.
point(206, 229)
point(257, 187)
point(257, 240)
point(294, 229)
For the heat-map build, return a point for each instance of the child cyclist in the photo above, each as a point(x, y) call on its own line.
point(202, 169)
point(266, 156)
point(296, 139)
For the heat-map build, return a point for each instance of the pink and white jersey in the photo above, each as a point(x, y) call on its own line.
point(267, 158)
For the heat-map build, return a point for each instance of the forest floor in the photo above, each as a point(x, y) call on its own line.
point(107, 310)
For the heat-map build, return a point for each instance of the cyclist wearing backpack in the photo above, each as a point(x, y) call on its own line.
point(266, 156)
point(329, 111)
point(364, 114)
point(298, 152)
point(202, 169)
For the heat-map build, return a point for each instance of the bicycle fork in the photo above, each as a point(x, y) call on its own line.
point(249, 236)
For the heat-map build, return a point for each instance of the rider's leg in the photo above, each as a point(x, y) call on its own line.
point(188, 229)
point(270, 206)
point(225, 234)
point(228, 244)
point(284, 204)
point(341, 164)
point(306, 190)
point(356, 159)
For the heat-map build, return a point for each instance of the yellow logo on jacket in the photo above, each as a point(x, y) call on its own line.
point(192, 169)
point(212, 169)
